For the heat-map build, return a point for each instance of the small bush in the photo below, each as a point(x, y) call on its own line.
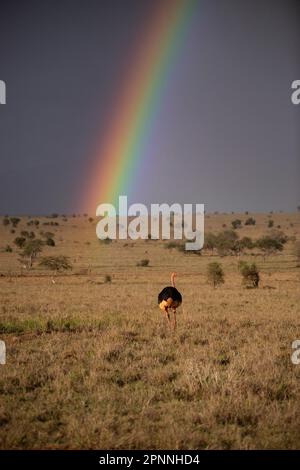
point(25, 233)
point(35, 222)
point(15, 221)
point(272, 243)
point(107, 278)
point(56, 263)
point(226, 242)
point(52, 223)
point(246, 242)
point(271, 223)
point(171, 244)
point(46, 234)
point(50, 242)
point(250, 221)
point(237, 223)
point(250, 275)
point(215, 274)
point(6, 221)
point(210, 241)
point(241, 265)
point(106, 241)
point(143, 262)
point(20, 241)
point(8, 249)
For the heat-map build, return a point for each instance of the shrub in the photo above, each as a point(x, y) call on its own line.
point(278, 235)
point(15, 221)
point(272, 243)
point(107, 278)
point(171, 244)
point(52, 223)
point(6, 221)
point(35, 222)
point(215, 274)
point(91, 219)
point(27, 234)
point(246, 242)
point(250, 221)
point(210, 242)
point(20, 241)
point(56, 263)
point(269, 245)
point(271, 223)
point(8, 249)
point(241, 265)
point(50, 242)
point(237, 223)
point(106, 241)
point(227, 242)
point(46, 234)
point(143, 262)
point(250, 275)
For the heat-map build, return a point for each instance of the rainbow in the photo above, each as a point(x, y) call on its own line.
point(122, 146)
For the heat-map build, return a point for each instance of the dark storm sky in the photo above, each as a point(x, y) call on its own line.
point(226, 133)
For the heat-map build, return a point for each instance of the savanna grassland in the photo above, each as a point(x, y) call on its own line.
point(92, 364)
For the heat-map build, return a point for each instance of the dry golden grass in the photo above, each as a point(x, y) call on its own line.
point(92, 365)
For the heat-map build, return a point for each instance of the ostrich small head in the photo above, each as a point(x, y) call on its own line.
point(173, 275)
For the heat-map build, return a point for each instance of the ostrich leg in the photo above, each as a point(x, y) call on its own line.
point(167, 315)
point(175, 320)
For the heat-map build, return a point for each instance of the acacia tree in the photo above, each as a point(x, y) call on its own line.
point(31, 250)
point(272, 243)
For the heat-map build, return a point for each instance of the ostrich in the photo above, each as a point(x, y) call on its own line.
point(170, 297)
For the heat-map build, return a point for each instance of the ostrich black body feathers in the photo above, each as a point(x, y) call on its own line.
point(170, 292)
